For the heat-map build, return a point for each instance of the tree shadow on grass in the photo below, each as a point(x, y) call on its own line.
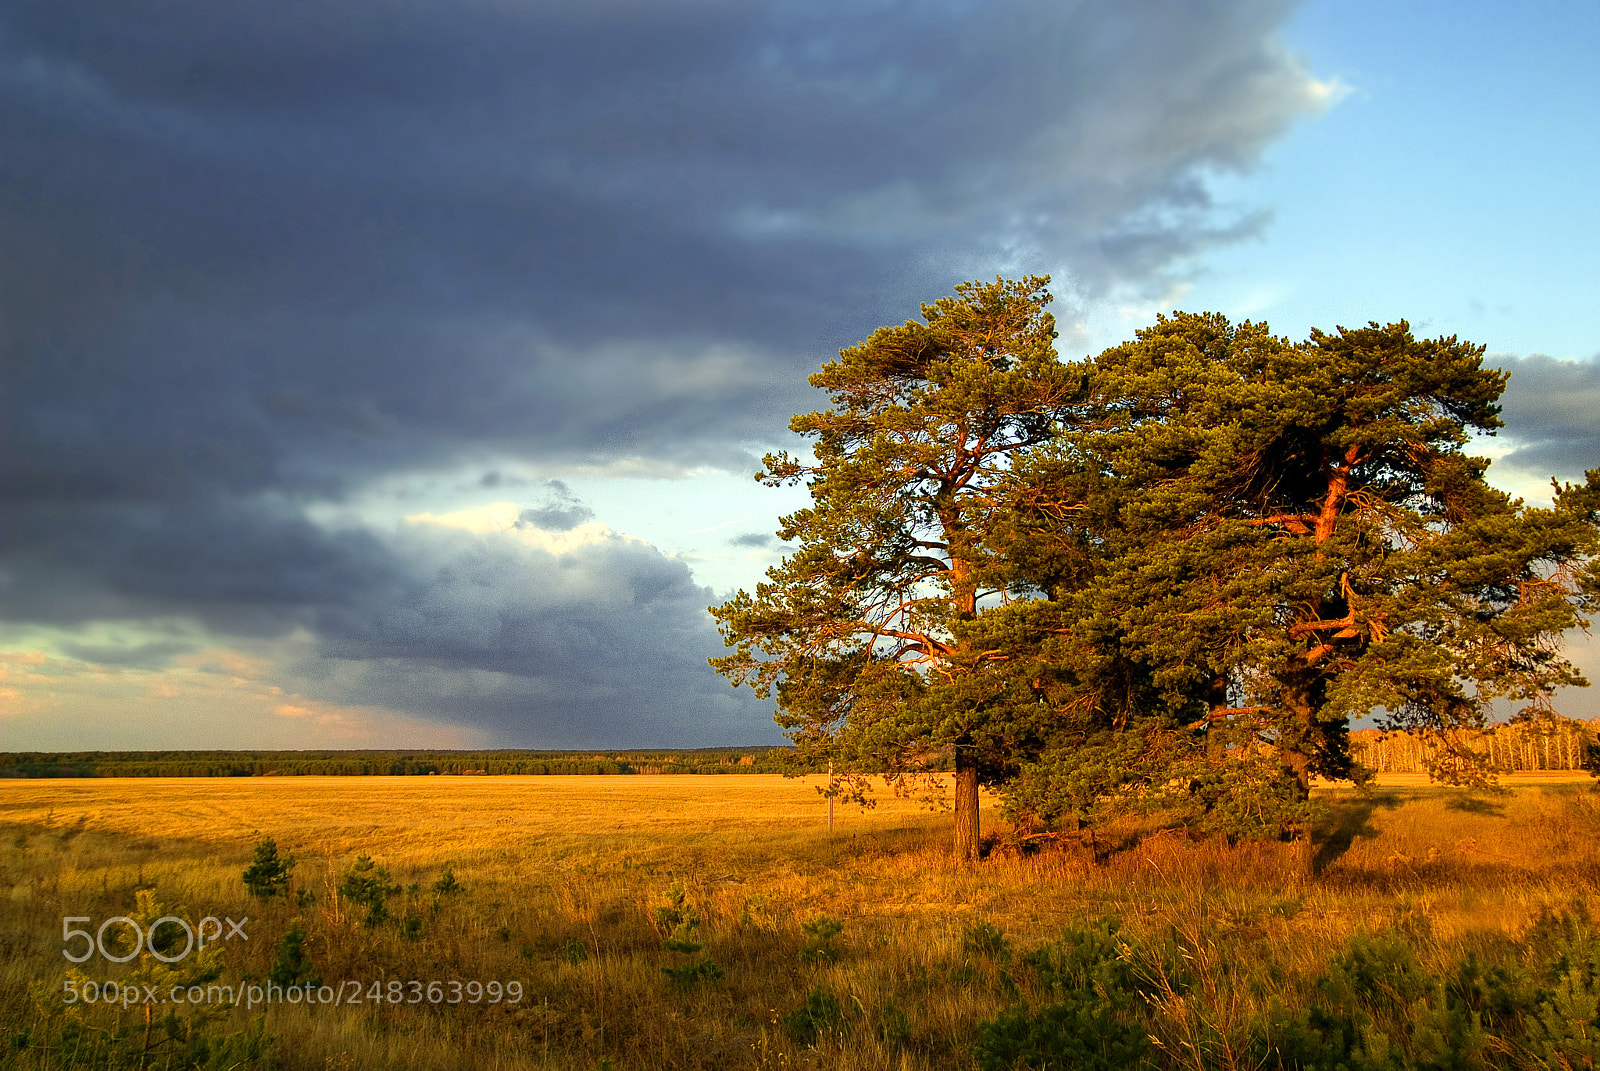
point(1473, 803)
point(1345, 820)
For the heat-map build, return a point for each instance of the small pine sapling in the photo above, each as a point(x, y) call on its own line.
point(366, 883)
point(819, 933)
point(988, 941)
point(1097, 986)
point(187, 1034)
point(681, 934)
point(820, 1014)
point(268, 873)
point(292, 968)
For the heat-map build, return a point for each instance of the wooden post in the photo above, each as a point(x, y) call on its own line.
point(830, 795)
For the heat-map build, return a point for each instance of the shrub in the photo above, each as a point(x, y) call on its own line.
point(1069, 1035)
point(894, 1025)
point(268, 875)
point(366, 883)
point(676, 910)
point(820, 1013)
point(1377, 1009)
point(1565, 1028)
point(292, 968)
point(690, 975)
point(1090, 1019)
point(682, 935)
point(819, 934)
point(987, 941)
point(447, 884)
point(190, 1036)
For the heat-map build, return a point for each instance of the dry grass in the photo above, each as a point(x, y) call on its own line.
point(563, 877)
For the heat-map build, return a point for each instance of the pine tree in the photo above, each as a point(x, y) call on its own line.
point(268, 874)
point(874, 634)
point(1167, 580)
point(366, 883)
point(292, 968)
point(1302, 539)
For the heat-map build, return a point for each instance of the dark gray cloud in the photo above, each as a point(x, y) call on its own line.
point(1552, 414)
point(560, 511)
point(256, 238)
point(255, 256)
point(605, 640)
point(556, 518)
point(156, 655)
point(752, 539)
point(254, 566)
point(495, 478)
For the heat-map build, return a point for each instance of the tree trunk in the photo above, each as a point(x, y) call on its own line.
point(964, 597)
point(966, 807)
point(1295, 751)
point(1217, 700)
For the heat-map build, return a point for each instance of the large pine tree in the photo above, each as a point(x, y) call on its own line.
point(872, 633)
point(1166, 579)
point(1302, 539)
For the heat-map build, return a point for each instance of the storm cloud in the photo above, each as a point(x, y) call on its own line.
point(255, 258)
point(563, 641)
point(1552, 414)
point(560, 511)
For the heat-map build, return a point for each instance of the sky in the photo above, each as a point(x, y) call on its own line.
point(393, 375)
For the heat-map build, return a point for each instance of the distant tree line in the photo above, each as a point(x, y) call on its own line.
point(1543, 744)
point(1540, 744)
point(388, 763)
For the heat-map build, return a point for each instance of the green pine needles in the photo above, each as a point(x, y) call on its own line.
point(268, 873)
point(367, 884)
point(1161, 580)
point(819, 934)
point(292, 967)
point(680, 927)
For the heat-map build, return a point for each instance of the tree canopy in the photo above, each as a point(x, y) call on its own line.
point(1301, 539)
point(1166, 578)
point(865, 631)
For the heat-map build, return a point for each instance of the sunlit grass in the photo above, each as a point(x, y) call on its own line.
point(563, 877)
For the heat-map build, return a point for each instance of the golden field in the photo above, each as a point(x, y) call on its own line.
point(564, 878)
